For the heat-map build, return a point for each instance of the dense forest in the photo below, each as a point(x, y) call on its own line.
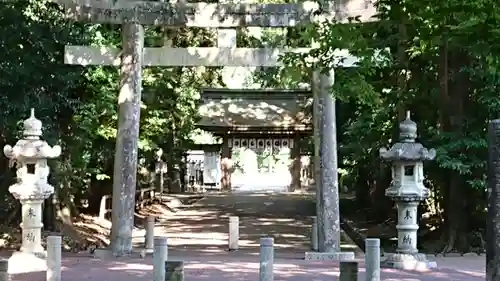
point(437, 59)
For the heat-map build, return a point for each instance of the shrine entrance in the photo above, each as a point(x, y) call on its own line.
point(262, 131)
point(262, 167)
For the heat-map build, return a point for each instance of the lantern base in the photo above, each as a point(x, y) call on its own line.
point(107, 253)
point(33, 249)
point(416, 261)
point(338, 256)
point(19, 261)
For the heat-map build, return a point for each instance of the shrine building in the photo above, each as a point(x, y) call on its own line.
point(261, 130)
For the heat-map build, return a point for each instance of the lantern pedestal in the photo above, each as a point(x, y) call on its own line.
point(31, 252)
point(31, 226)
point(407, 256)
point(407, 261)
point(24, 262)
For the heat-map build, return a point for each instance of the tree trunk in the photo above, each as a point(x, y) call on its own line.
point(452, 121)
point(382, 205)
point(362, 189)
point(125, 164)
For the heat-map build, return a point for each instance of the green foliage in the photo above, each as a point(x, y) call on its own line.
point(78, 105)
point(439, 59)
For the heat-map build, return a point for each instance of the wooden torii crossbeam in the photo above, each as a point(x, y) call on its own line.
point(133, 56)
point(193, 56)
point(215, 15)
point(224, 15)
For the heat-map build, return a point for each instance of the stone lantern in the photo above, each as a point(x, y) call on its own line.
point(30, 155)
point(407, 190)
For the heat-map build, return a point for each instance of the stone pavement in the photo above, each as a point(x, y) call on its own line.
point(246, 269)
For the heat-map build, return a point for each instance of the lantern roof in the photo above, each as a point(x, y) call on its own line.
point(32, 126)
point(31, 147)
point(407, 129)
point(407, 149)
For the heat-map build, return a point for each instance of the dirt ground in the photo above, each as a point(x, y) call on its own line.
point(204, 227)
point(86, 231)
point(197, 234)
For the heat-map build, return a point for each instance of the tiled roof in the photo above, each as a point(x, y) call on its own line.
point(248, 109)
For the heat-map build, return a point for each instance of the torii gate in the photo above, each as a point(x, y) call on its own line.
point(133, 56)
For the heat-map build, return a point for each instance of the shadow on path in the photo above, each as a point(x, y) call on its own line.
point(246, 269)
point(204, 228)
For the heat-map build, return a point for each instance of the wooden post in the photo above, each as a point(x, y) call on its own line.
point(372, 259)
point(266, 265)
point(234, 233)
point(4, 270)
point(296, 166)
point(314, 234)
point(174, 270)
point(226, 165)
point(159, 174)
point(493, 221)
point(150, 233)
point(54, 244)
point(160, 256)
point(348, 271)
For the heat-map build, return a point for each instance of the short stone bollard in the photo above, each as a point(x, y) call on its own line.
point(348, 271)
point(150, 233)
point(4, 270)
point(174, 271)
point(160, 255)
point(54, 244)
point(314, 234)
point(372, 259)
point(234, 233)
point(266, 259)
